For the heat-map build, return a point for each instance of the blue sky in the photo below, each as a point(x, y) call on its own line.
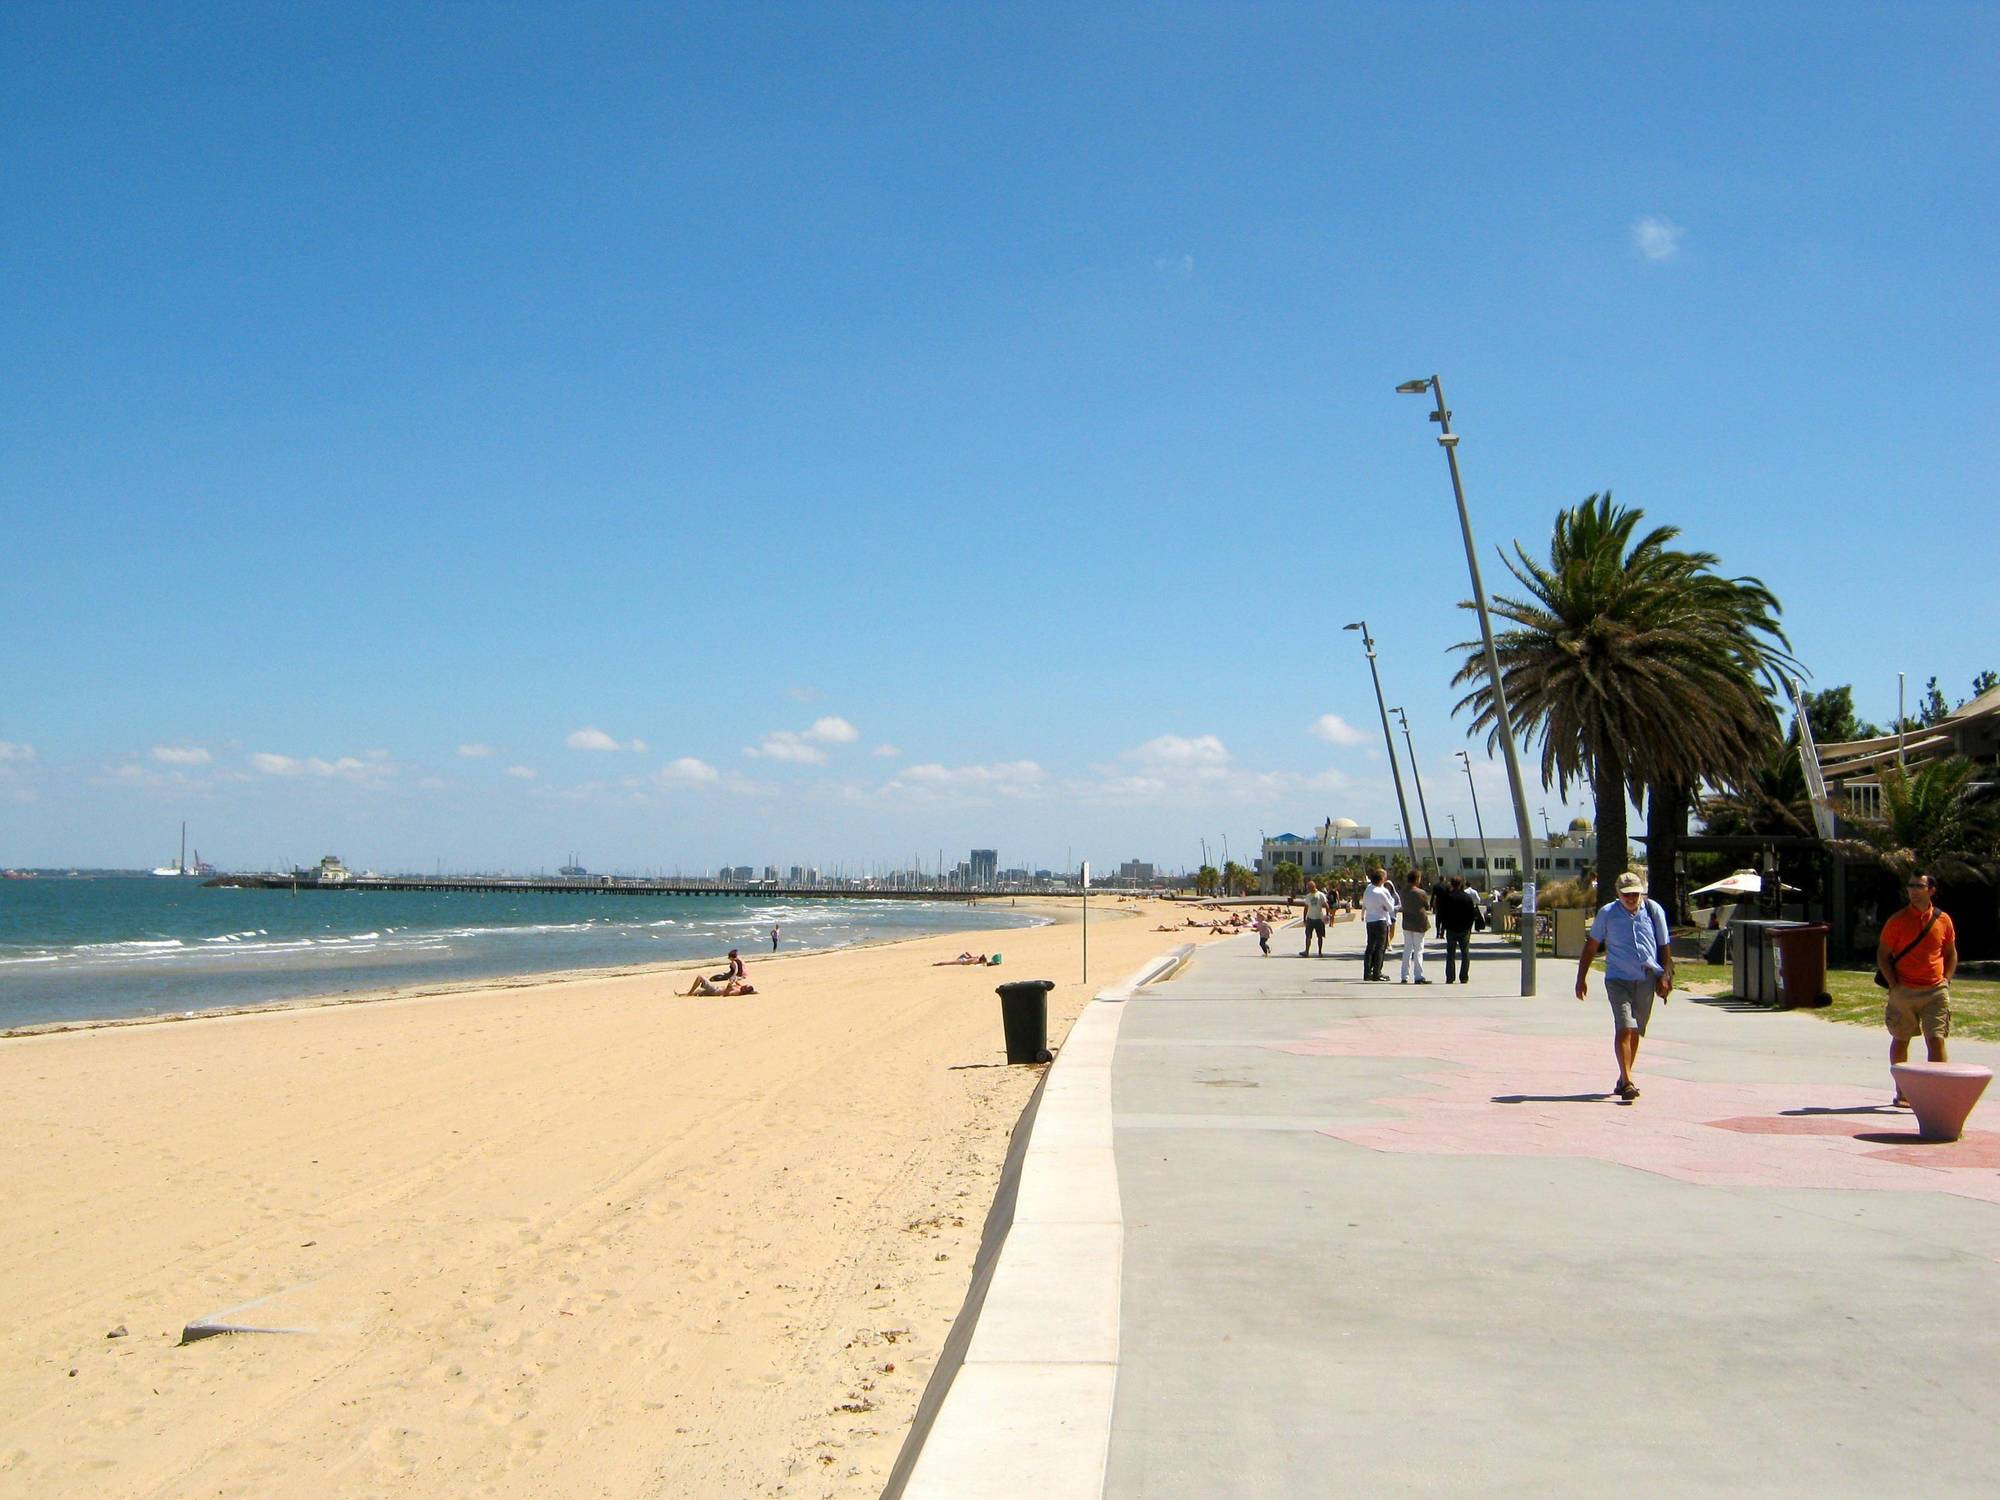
point(899, 428)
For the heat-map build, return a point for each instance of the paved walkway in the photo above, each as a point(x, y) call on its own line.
point(1283, 1233)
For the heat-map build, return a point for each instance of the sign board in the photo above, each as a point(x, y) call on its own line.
point(1086, 874)
point(1528, 899)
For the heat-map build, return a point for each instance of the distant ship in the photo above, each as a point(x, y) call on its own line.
point(184, 868)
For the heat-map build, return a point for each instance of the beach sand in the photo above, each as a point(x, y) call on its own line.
point(576, 1237)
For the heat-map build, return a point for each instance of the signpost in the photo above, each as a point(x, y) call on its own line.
point(1086, 921)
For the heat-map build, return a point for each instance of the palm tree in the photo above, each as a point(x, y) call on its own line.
point(1286, 879)
point(1636, 665)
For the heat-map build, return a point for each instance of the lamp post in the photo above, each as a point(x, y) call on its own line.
point(1381, 706)
point(1448, 440)
point(1417, 776)
point(1466, 761)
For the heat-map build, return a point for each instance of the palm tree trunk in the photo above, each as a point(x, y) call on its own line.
point(1609, 786)
point(1667, 806)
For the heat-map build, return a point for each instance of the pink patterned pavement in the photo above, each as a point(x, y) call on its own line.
point(1509, 1095)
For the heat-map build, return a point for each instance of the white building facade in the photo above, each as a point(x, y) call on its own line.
point(1494, 865)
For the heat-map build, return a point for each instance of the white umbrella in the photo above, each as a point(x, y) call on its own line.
point(1742, 883)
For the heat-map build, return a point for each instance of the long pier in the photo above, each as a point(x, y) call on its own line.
point(491, 884)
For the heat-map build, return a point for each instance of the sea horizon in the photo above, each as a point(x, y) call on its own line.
point(119, 947)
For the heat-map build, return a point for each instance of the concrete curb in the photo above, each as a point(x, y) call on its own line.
point(1026, 1407)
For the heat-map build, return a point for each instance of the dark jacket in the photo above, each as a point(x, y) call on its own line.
point(1457, 912)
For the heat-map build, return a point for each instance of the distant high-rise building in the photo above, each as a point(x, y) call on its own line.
point(1134, 869)
point(985, 867)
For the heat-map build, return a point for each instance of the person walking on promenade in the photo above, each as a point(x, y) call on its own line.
point(1457, 914)
point(1378, 913)
point(1416, 927)
point(1315, 904)
point(1917, 956)
point(1262, 927)
point(1638, 965)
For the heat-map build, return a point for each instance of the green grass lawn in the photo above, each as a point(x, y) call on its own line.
point(1975, 1003)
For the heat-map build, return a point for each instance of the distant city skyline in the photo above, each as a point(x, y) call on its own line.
point(677, 436)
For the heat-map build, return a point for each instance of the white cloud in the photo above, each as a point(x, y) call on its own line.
point(1336, 730)
point(181, 755)
point(932, 782)
point(687, 771)
point(523, 773)
point(1175, 750)
point(346, 768)
point(589, 738)
point(1658, 238)
point(887, 752)
point(832, 731)
point(802, 746)
point(475, 752)
point(784, 744)
point(9, 751)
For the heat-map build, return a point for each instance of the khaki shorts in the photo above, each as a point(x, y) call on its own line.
point(1909, 1010)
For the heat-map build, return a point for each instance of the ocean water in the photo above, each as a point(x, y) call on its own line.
point(75, 950)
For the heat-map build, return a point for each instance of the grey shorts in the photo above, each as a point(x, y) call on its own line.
point(1631, 1003)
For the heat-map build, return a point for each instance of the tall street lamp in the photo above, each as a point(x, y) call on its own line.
point(1466, 761)
point(1417, 776)
point(1368, 644)
point(1448, 440)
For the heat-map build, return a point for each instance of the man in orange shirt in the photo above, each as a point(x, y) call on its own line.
point(1918, 955)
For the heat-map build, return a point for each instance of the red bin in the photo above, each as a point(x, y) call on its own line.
point(1801, 955)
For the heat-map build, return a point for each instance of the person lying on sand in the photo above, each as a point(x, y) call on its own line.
point(706, 985)
point(963, 958)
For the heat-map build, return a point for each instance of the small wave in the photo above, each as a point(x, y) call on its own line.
point(132, 947)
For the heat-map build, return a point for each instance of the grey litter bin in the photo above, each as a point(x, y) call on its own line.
point(1753, 963)
point(1024, 1012)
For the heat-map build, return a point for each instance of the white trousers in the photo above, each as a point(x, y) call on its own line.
point(1413, 955)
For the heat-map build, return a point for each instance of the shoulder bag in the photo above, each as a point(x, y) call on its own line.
point(1883, 984)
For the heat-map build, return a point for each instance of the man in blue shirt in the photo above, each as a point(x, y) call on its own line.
point(1638, 964)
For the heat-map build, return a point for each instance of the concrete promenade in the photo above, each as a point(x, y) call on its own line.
point(1281, 1232)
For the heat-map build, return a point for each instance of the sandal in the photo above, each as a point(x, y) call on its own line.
point(1627, 1090)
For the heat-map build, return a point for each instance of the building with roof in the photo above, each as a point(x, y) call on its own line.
point(1850, 773)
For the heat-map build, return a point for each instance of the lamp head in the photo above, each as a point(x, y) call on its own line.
point(1413, 387)
point(1355, 625)
point(1447, 440)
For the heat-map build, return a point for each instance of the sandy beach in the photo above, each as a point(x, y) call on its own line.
point(575, 1237)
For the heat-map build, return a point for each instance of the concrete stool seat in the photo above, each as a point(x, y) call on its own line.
point(1941, 1094)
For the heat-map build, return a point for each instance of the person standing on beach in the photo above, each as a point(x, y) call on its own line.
point(1315, 905)
point(774, 938)
point(1638, 966)
point(1416, 927)
point(1457, 914)
point(1917, 956)
point(1378, 913)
